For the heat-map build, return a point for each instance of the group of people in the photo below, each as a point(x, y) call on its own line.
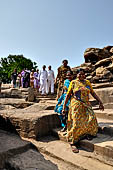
point(42, 80)
point(73, 107)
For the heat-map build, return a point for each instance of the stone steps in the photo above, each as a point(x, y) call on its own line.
point(11, 144)
point(16, 153)
point(31, 122)
point(37, 121)
point(61, 151)
point(102, 144)
point(95, 105)
point(106, 114)
point(105, 126)
point(102, 85)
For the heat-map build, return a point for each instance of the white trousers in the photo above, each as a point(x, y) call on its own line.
point(43, 86)
point(50, 85)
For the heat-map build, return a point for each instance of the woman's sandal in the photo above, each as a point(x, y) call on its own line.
point(74, 148)
point(64, 129)
point(90, 137)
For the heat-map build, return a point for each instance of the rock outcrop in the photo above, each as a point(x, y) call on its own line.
point(98, 64)
point(31, 95)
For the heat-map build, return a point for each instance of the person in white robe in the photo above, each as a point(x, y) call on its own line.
point(51, 80)
point(43, 80)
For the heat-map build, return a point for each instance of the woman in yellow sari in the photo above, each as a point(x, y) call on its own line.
point(81, 118)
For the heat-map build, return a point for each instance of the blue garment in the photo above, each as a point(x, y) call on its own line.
point(59, 105)
point(66, 85)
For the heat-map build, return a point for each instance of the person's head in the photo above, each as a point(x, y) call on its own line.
point(69, 75)
point(81, 74)
point(32, 70)
point(65, 63)
point(49, 67)
point(15, 70)
point(44, 67)
point(37, 70)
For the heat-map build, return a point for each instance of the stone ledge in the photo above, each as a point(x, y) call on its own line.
point(11, 144)
point(106, 114)
point(62, 151)
point(32, 124)
point(102, 144)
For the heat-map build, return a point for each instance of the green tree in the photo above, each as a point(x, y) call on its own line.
point(8, 64)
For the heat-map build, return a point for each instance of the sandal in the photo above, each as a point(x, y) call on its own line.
point(64, 129)
point(90, 137)
point(74, 148)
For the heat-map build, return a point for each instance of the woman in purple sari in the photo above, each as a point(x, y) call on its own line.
point(36, 79)
point(23, 78)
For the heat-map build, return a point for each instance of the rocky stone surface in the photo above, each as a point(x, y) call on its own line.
point(30, 160)
point(11, 144)
point(106, 94)
point(95, 54)
point(98, 64)
point(11, 93)
point(18, 154)
point(13, 103)
point(31, 95)
point(33, 121)
point(62, 151)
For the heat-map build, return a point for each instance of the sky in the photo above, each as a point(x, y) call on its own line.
point(48, 31)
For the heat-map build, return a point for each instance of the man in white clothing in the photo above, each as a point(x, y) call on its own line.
point(43, 80)
point(51, 80)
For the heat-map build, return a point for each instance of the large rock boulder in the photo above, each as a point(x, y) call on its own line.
point(98, 64)
point(103, 73)
point(93, 55)
point(108, 48)
point(111, 50)
point(31, 95)
point(11, 93)
point(18, 154)
point(104, 62)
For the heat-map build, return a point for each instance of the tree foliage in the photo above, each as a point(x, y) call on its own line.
point(8, 64)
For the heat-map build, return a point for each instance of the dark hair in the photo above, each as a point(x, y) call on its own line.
point(71, 72)
point(80, 69)
point(65, 61)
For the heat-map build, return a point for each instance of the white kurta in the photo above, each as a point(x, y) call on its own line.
point(51, 78)
point(43, 81)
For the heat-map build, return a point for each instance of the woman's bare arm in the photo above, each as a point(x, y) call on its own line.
point(65, 102)
point(101, 107)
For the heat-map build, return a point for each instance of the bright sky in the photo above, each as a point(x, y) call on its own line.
point(48, 31)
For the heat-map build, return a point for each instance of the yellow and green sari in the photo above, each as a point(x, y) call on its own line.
point(81, 118)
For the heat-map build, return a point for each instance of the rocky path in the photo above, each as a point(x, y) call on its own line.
point(37, 123)
point(18, 154)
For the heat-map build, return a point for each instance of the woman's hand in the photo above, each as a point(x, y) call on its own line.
point(101, 107)
point(63, 112)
